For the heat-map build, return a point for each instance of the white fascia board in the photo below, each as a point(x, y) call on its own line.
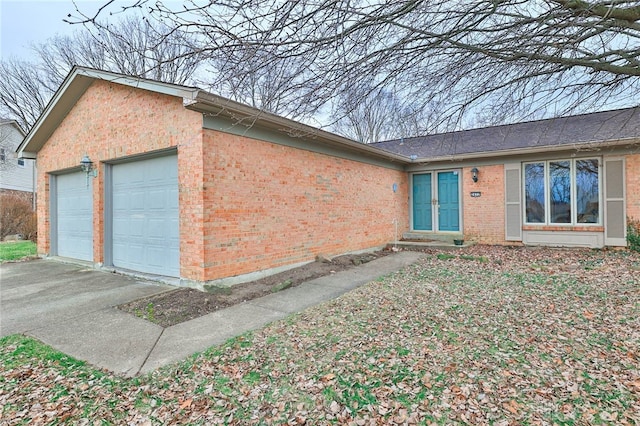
point(27, 155)
point(185, 92)
point(582, 146)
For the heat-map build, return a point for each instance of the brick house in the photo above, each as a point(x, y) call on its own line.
point(569, 181)
point(187, 184)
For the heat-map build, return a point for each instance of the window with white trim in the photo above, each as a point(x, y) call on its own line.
point(21, 162)
point(563, 192)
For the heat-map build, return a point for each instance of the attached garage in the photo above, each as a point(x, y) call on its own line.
point(72, 224)
point(145, 216)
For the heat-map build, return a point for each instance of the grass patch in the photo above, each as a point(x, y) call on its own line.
point(482, 259)
point(445, 256)
point(16, 250)
point(148, 313)
point(24, 349)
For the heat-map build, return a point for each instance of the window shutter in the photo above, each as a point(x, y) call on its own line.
point(615, 220)
point(513, 209)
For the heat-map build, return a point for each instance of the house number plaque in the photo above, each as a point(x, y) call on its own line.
point(476, 194)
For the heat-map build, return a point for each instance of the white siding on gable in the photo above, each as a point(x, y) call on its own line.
point(14, 176)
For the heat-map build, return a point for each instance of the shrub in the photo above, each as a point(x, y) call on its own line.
point(17, 217)
point(633, 234)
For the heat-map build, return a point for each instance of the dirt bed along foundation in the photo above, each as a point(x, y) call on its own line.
point(184, 304)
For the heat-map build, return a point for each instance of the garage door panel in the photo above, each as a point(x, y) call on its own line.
point(156, 256)
point(157, 229)
point(74, 216)
point(134, 253)
point(172, 202)
point(136, 202)
point(145, 216)
point(119, 224)
point(136, 226)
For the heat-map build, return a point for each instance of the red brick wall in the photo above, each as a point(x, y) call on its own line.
point(269, 205)
point(245, 205)
point(111, 121)
point(483, 217)
point(633, 186)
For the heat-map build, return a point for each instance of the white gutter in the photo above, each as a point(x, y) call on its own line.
point(580, 146)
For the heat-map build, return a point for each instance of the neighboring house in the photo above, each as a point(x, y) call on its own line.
point(192, 185)
point(17, 175)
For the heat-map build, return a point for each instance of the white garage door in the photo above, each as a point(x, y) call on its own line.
point(74, 216)
point(145, 216)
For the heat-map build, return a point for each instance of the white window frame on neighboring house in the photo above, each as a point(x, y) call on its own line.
point(575, 218)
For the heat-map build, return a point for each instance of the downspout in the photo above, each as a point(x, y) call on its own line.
point(34, 185)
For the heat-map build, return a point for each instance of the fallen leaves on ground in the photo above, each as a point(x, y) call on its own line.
point(486, 335)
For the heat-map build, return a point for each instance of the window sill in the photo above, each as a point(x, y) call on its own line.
point(574, 228)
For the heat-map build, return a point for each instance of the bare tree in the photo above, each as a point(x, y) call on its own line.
point(517, 58)
point(261, 78)
point(24, 91)
point(131, 46)
point(367, 114)
point(7, 146)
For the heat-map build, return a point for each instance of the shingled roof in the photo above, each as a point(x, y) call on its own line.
point(569, 132)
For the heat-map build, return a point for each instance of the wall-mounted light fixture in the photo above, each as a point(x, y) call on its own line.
point(474, 174)
point(87, 166)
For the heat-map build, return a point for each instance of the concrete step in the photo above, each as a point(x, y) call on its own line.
point(421, 240)
point(421, 245)
point(431, 236)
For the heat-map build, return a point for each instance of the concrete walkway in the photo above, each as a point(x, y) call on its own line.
point(72, 309)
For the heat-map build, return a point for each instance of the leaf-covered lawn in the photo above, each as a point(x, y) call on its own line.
point(489, 335)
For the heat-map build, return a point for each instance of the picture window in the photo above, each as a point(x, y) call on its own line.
point(562, 192)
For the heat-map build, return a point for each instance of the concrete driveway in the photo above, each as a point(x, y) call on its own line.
point(71, 308)
point(42, 293)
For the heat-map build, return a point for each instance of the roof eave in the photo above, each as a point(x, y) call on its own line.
point(591, 145)
point(208, 103)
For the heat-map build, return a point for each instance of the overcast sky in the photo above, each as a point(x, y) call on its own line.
point(23, 22)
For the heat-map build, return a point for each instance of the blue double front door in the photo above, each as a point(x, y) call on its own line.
point(436, 201)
